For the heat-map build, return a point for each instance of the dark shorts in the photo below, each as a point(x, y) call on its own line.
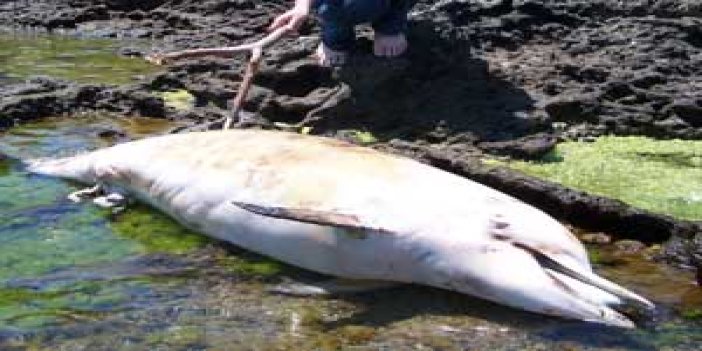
point(340, 16)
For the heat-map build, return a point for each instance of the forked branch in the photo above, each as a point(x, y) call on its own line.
point(256, 50)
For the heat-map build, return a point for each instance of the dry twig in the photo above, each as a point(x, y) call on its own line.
point(256, 49)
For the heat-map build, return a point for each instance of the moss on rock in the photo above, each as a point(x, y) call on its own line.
point(663, 176)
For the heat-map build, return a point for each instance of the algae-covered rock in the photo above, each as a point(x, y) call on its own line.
point(156, 232)
point(663, 176)
point(179, 100)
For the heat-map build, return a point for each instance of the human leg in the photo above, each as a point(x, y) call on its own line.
point(338, 18)
point(390, 39)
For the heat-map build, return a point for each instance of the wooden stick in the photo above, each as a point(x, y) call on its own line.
point(256, 49)
point(251, 69)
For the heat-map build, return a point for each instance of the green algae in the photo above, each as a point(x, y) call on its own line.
point(693, 313)
point(250, 264)
point(177, 337)
point(361, 137)
point(41, 232)
point(364, 137)
point(4, 166)
point(179, 100)
point(663, 176)
point(81, 60)
point(155, 232)
point(67, 303)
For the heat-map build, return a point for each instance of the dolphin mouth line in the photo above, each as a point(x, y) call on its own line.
point(627, 298)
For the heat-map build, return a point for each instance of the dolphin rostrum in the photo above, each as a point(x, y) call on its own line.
point(356, 213)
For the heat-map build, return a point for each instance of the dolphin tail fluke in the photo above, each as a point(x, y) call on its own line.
point(77, 167)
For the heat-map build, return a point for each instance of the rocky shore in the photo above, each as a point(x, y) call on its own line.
point(497, 77)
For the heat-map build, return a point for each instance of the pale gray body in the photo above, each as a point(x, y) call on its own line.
point(374, 216)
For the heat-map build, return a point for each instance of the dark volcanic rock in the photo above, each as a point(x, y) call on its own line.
point(531, 147)
point(685, 250)
point(689, 111)
point(131, 5)
point(575, 107)
point(45, 97)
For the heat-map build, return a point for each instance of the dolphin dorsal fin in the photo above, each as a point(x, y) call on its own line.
point(312, 216)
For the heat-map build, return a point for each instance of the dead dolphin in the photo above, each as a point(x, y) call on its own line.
point(353, 212)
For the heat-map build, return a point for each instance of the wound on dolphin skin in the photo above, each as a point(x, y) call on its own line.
point(498, 225)
point(500, 237)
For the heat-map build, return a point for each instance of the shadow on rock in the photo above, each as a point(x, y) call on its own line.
point(438, 90)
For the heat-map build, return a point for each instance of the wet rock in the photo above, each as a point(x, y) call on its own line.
point(131, 52)
point(629, 247)
point(111, 134)
point(94, 13)
point(646, 81)
point(34, 85)
point(235, 33)
point(131, 5)
point(653, 252)
point(531, 147)
point(596, 238)
point(689, 111)
point(26, 107)
point(684, 250)
point(576, 107)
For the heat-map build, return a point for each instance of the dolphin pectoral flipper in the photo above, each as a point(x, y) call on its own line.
point(79, 195)
point(334, 286)
point(328, 218)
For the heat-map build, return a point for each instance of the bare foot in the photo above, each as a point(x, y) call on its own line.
point(389, 45)
point(328, 57)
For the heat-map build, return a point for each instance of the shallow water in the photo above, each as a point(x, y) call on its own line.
point(75, 277)
point(82, 60)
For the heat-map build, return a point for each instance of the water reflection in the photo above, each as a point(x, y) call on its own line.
point(83, 60)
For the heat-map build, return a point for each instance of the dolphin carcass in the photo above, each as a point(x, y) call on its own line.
point(353, 212)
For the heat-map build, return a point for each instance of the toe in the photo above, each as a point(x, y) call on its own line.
point(388, 51)
point(389, 46)
point(377, 49)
